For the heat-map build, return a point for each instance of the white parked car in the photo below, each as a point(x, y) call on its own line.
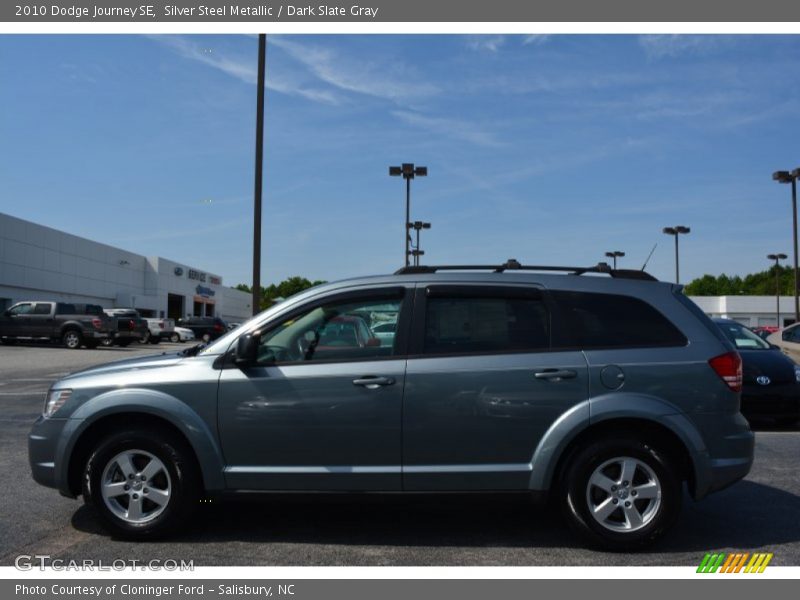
point(181, 334)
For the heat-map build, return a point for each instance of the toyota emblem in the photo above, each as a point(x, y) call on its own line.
point(763, 380)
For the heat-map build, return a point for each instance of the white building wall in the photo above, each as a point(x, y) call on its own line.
point(41, 263)
point(753, 311)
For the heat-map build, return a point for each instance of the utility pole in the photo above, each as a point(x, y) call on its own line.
point(262, 56)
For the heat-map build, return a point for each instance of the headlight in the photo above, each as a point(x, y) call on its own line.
point(55, 400)
point(797, 374)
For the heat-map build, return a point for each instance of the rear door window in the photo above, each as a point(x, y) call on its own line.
point(41, 308)
point(485, 321)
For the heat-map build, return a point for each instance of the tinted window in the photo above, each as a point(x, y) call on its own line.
point(482, 324)
point(41, 308)
point(65, 309)
point(610, 321)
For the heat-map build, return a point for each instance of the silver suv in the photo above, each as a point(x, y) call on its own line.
point(604, 389)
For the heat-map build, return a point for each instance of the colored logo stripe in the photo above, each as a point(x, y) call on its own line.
point(733, 563)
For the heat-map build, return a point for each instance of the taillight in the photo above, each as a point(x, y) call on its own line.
point(729, 367)
point(161, 324)
point(217, 327)
point(97, 323)
point(131, 325)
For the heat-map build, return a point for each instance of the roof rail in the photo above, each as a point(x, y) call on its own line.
point(514, 265)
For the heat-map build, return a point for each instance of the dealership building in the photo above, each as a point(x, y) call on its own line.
point(752, 311)
point(40, 263)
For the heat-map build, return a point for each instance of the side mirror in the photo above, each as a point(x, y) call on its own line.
point(247, 349)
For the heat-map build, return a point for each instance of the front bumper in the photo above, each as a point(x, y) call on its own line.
point(42, 450)
point(772, 401)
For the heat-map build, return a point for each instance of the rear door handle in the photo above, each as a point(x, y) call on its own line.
point(373, 383)
point(555, 374)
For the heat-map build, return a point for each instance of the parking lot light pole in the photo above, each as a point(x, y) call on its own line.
point(791, 177)
point(262, 55)
point(777, 258)
point(408, 172)
point(614, 255)
point(677, 231)
point(419, 226)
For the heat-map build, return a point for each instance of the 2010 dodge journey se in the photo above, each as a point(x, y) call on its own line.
point(605, 389)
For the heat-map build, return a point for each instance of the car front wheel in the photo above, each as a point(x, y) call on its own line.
point(142, 483)
point(621, 494)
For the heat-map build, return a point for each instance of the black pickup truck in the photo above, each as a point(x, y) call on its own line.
point(73, 325)
point(127, 327)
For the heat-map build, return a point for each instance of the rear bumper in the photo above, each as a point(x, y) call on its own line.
point(730, 456)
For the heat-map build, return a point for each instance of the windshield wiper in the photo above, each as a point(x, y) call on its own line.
point(193, 350)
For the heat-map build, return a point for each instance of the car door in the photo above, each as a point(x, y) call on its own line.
point(482, 386)
point(16, 320)
point(319, 411)
point(790, 342)
point(41, 321)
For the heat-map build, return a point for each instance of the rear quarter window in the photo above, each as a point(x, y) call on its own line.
point(593, 321)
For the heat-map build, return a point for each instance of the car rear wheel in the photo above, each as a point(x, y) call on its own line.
point(142, 483)
point(107, 342)
point(174, 338)
point(621, 494)
point(71, 339)
point(206, 337)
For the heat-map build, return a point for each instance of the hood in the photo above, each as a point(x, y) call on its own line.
point(154, 361)
point(772, 363)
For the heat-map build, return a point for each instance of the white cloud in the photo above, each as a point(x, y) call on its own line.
point(536, 39)
point(490, 43)
point(390, 81)
point(244, 70)
point(670, 46)
point(454, 128)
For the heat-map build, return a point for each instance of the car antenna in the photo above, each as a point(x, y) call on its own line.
point(649, 256)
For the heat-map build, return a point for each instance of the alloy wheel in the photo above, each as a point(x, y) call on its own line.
point(623, 494)
point(136, 486)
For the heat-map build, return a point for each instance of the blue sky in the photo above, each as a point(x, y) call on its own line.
point(549, 149)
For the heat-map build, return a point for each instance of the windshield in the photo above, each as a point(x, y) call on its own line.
point(742, 337)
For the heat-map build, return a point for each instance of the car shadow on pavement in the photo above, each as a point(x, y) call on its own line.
point(747, 515)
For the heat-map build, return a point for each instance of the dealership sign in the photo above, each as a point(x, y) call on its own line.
point(204, 291)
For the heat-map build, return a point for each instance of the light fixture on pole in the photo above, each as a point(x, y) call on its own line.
point(677, 231)
point(408, 171)
point(777, 258)
point(418, 226)
point(791, 177)
point(614, 255)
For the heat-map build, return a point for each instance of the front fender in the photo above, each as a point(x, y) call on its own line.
point(617, 406)
point(130, 400)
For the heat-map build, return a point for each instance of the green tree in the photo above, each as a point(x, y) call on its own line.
point(753, 284)
point(288, 287)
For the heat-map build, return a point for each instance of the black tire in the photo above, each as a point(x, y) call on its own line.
point(146, 337)
point(206, 337)
point(107, 342)
point(181, 467)
point(72, 339)
point(174, 338)
point(576, 494)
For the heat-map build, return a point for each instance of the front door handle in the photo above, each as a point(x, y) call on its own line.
point(555, 374)
point(373, 383)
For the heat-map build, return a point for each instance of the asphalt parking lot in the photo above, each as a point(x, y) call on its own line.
point(758, 514)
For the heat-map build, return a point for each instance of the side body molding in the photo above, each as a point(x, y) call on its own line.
point(151, 402)
point(617, 406)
